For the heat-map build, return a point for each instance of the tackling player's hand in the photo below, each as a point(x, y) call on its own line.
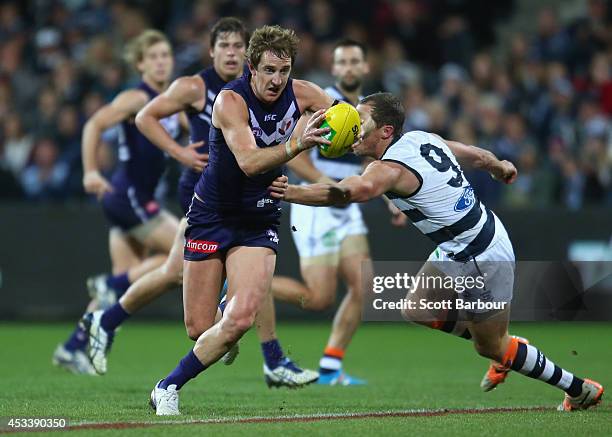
point(506, 172)
point(95, 183)
point(189, 157)
point(338, 195)
point(313, 134)
point(278, 188)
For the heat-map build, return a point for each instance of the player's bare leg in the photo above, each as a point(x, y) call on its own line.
point(156, 282)
point(319, 290)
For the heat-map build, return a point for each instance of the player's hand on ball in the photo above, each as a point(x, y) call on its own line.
point(278, 188)
point(338, 194)
point(313, 134)
point(506, 172)
point(189, 157)
point(95, 183)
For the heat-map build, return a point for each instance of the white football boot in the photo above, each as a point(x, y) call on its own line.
point(165, 402)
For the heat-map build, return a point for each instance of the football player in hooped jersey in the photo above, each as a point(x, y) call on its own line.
point(138, 223)
point(233, 218)
point(420, 173)
point(195, 95)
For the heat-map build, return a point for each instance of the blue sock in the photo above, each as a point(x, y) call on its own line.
point(119, 283)
point(113, 317)
point(272, 352)
point(78, 340)
point(189, 367)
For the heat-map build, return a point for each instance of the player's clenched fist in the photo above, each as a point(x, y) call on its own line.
point(95, 183)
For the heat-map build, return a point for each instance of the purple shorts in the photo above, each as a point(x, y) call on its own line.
point(128, 209)
point(210, 232)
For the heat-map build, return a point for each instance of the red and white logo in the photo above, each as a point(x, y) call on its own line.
point(201, 246)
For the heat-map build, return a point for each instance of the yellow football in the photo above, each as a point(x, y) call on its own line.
point(343, 121)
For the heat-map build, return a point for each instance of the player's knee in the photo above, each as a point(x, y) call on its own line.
point(409, 315)
point(320, 301)
point(173, 272)
point(194, 330)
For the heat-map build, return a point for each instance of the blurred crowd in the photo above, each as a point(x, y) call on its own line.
point(541, 99)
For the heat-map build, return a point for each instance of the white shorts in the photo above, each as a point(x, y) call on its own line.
point(321, 230)
point(495, 265)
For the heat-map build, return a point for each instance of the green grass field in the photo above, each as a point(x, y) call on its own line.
point(408, 368)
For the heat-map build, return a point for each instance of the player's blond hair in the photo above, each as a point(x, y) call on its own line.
point(135, 49)
point(278, 40)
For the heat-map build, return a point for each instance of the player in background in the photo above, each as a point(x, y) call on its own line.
point(195, 96)
point(233, 218)
point(421, 175)
point(331, 241)
point(139, 225)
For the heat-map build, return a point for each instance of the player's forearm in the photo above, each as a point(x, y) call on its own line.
point(261, 160)
point(472, 156)
point(151, 128)
point(89, 145)
point(358, 189)
point(321, 194)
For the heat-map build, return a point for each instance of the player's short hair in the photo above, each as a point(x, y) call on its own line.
point(136, 47)
point(280, 41)
point(386, 110)
point(348, 42)
point(228, 25)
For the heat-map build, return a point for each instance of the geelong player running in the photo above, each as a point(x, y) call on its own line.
point(138, 225)
point(421, 175)
point(233, 218)
point(195, 95)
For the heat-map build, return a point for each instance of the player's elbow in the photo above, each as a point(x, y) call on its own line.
point(250, 167)
point(141, 120)
point(362, 192)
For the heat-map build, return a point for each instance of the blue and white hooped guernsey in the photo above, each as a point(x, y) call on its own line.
point(445, 207)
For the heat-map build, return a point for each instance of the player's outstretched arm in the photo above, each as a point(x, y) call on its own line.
point(184, 94)
point(475, 157)
point(378, 178)
point(126, 104)
point(230, 114)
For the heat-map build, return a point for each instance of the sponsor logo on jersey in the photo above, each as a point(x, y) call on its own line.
point(257, 132)
point(201, 246)
point(270, 117)
point(467, 199)
point(284, 126)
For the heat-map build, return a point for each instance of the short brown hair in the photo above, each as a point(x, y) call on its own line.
point(386, 110)
point(134, 51)
point(282, 42)
point(228, 25)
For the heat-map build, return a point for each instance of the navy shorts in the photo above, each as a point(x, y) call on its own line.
point(210, 232)
point(128, 209)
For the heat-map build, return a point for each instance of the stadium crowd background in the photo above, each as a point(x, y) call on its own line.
point(541, 99)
